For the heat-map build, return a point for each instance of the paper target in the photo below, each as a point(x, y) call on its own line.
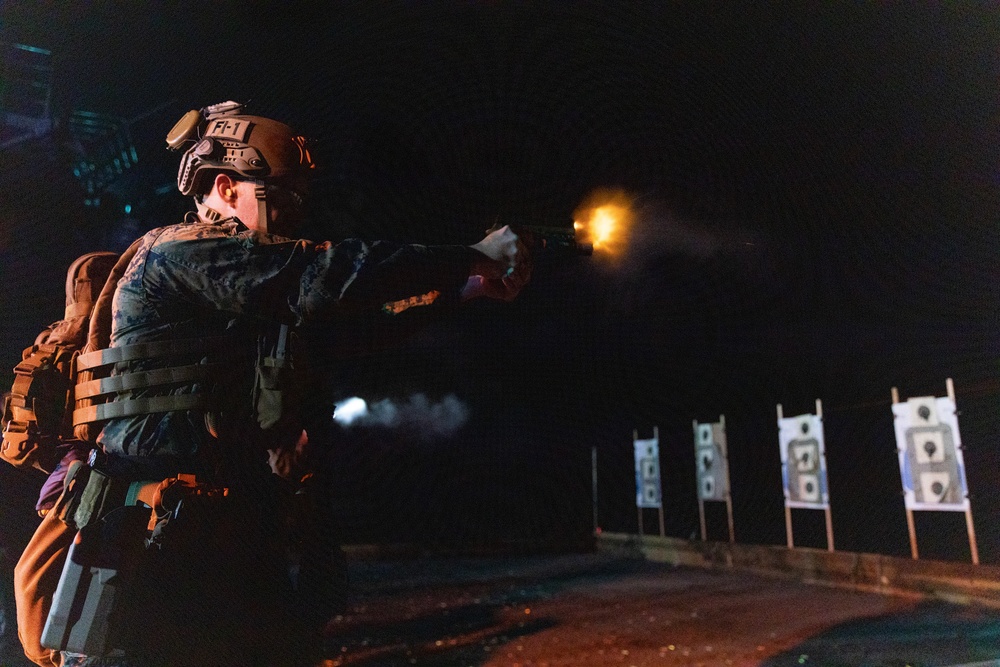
point(931, 465)
point(803, 461)
point(928, 446)
point(923, 411)
point(708, 488)
point(805, 454)
point(647, 473)
point(651, 495)
point(711, 463)
point(935, 487)
point(808, 488)
point(706, 460)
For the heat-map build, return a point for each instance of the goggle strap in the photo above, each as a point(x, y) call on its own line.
point(260, 192)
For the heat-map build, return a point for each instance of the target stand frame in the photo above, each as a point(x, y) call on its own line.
point(826, 510)
point(910, 525)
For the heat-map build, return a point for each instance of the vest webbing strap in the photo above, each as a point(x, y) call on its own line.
point(139, 406)
point(161, 348)
point(145, 380)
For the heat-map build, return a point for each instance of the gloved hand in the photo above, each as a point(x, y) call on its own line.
point(293, 461)
point(502, 267)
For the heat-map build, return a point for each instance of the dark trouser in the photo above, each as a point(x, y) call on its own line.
point(219, 589)
point(215, 593)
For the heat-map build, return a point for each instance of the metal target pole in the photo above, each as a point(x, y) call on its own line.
point(701, 502)
point(729, 485)
point(826, 475)
point(790, 540)
point(909, 512)
point(656, 436)
point(593, 484)
point(701, 518)
point(970, 527)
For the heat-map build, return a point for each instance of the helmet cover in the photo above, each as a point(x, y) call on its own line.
point(222, 138)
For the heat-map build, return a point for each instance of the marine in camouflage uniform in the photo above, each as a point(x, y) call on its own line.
point(222, 282)
point(229, 293)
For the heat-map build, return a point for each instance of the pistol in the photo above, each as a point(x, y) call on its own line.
point(549, 241)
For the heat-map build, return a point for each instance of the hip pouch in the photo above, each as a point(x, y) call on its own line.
point(275, 390)
point(90, 601)
point(108, 579)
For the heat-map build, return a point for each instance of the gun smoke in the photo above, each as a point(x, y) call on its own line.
point(657, 232)
point(422, 417)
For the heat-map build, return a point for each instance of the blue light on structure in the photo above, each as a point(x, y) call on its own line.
point(33, 49)
point(128, 208)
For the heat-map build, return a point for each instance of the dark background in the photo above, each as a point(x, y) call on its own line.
point(816, 193)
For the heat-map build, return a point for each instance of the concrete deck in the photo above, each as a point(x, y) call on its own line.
point(630, 606)
point(962, 583)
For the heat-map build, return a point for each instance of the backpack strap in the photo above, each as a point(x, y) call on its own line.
point(99, 336)
point(99, 332)
point(78, 309)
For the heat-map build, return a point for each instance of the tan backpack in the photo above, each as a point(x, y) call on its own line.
point(37, 413)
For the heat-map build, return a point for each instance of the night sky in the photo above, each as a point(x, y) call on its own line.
point(816, 201)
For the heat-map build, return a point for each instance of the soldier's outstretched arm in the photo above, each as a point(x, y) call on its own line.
point(301, 281)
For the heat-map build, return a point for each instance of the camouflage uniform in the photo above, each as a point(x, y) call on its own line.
point(204, 280)
point(220, 281)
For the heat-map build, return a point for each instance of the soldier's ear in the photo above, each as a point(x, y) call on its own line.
point(225, 187)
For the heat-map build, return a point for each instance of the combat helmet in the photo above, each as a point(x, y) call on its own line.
point(222, 138)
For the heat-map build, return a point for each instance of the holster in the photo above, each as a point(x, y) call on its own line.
point(183, 509)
